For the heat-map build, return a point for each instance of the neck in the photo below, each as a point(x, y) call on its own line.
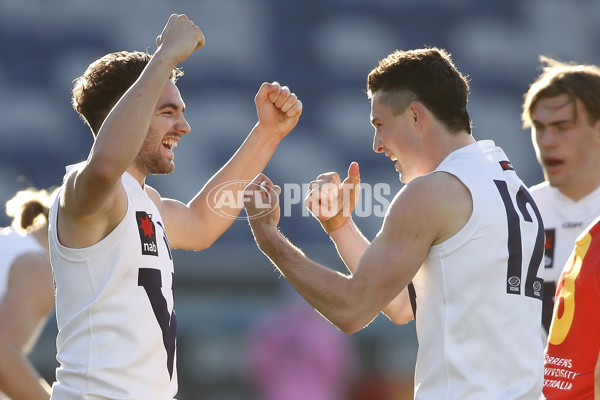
point(577, 194)
point(140, 177)
point(581, 185)
point(462, 139)
point(449, 142)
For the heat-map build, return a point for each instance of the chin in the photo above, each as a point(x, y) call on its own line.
point(554, 181)
point(164, 169)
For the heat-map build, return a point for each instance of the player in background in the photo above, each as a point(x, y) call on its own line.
point(111, 235)
point(26, 293)
point(562, 108)
point(464, 230)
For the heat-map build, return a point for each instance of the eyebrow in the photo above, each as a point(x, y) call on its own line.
point(172, 106)
point(555, 123)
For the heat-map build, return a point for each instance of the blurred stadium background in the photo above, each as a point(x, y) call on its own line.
point(323, 50)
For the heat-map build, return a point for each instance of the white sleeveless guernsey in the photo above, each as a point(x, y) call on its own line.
point(12, 246)
point(478, 300)
point(114, 309)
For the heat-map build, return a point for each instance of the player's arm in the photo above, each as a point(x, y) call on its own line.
point(351, 245)
point(385, 268)
point(332, 202)
point(94, 197)
point(28, 299)
point(195, 226)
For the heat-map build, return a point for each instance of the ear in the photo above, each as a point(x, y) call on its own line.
point(417, 112)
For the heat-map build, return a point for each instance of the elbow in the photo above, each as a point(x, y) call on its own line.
point(400, 320)
point(352, 320)
point(351, 315)
point(352, 326)
point(399, 316)
point(194, 242)
point(349, 329)
point(191, 243)
point(203, 241)
point(400, 310)
point(204, 244)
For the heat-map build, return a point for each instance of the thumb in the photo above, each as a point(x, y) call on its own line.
point(350, 188)
point(353, 174)
point(268, 91)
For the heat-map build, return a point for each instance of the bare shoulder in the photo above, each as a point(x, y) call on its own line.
point(32, 267)
point(437, 204)
point(443, 182)
point(432, 191)
point(151, 191)
point(31, 276)
point(154, 196)
point(173, 212)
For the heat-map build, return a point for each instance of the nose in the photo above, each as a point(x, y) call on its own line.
point(182, 126)
point(544, 138)
point(377, 145)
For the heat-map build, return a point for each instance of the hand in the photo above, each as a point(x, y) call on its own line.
point(332, 202)
point(261, 199)
point(180, 38)
point(278, 109)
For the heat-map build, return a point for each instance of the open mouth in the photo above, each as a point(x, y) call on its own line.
point(169, 143)
point(391, 156)
point(552, 162)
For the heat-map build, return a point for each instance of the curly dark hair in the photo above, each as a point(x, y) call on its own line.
point(105, 81)
point(426, 75)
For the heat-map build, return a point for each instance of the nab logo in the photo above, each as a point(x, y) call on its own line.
point(147, 233)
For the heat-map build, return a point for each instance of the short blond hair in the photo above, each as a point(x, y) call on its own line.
point(578, 81)
point(29, 208)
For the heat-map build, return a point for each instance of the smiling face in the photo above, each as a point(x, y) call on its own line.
point(566, 145)
point(167, 126)
point(395, 137)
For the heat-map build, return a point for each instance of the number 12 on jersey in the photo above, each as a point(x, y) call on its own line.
point(533, 284)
